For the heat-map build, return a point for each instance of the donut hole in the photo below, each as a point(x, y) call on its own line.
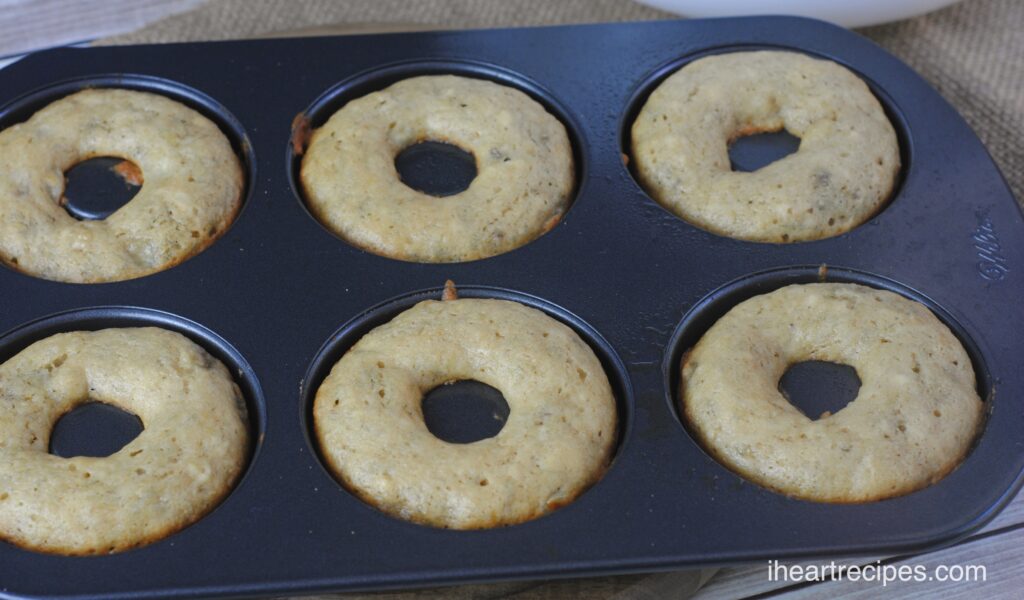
point(464, 411)
point(93, 429)
point(750, 152)
point(436, 168)
point(97, 187)
point(819, 388)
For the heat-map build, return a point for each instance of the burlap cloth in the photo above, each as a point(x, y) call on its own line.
point(972, 52)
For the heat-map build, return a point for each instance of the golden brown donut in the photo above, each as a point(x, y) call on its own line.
point(192, 450)
point(191, 187)
point(523, 158)
point(842, 174)
point(556, 442)
point(912, 421)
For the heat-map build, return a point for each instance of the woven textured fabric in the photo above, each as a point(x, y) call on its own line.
point(232, 19)
point(973, 53)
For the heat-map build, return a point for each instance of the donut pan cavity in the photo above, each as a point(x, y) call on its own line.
point(278, 297)
point(104, 317)
point(716, 304)
point(380, 77)
point(772, 146)
point(20, 108)
point(350, 333)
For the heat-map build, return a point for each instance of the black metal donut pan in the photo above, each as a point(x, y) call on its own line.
point(637, 282)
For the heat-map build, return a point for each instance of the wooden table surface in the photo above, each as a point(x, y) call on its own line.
point(28, 25)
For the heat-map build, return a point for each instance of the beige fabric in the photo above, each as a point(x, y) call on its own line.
point(232, 19)
point(972, 52)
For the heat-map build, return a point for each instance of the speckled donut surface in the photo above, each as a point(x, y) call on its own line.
point(556, 442)
point(193, 447)
point(191, 192)
point(912, 422)
point(523, 159)
point(842, 174)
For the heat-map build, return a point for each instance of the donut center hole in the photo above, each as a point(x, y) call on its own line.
point(93, 429)
point(749, 153)
point(95, 188)
point(819, 388)
point(464, 411)
point(436, 168)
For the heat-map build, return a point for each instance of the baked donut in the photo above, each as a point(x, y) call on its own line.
point(912, 421)
point(523, 160)
point(843, 173)
point(191, 192)
point(557, 441)
point(188, 457)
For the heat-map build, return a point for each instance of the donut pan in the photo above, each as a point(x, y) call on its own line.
point(279, 298)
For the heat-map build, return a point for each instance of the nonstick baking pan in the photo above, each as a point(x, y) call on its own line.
point(278, 298)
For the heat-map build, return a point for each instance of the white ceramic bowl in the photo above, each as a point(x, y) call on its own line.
point(848, 13)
